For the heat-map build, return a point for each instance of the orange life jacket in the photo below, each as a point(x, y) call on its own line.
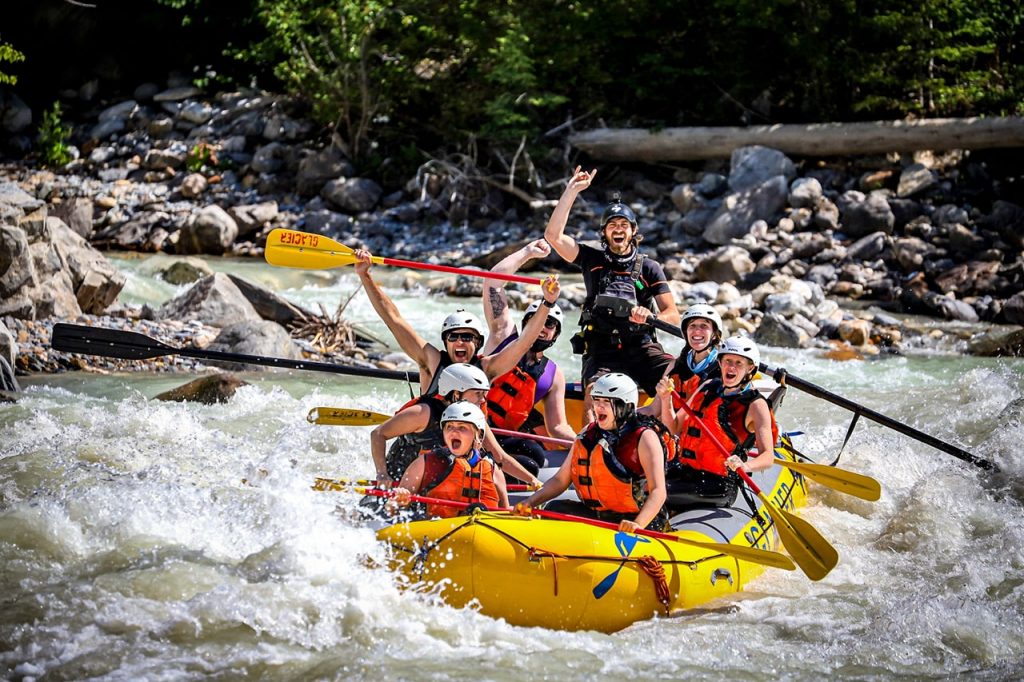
point(686, 382)
point(454, 478)
point(725, 417)
point(605, 466)
point(512, 395)
point(407, 447)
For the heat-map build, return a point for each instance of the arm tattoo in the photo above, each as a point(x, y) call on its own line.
point(498, 303)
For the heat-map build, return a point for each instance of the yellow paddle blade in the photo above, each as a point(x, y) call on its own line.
point(815, 556)
point(858, 485)
point(339, 416)
point(294, 249)
point(340, 484)
point(751, 554)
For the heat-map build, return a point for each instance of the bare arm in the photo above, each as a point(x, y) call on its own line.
point(555, 420)
point(507, 461)
point(499, 483)
point(667, 310)
point(415, 346)
point(496, 311)
point(411, 420)
point(652, 459)
point(553, 487)
point(503, 361)
point(667, 414)
point(554, 233)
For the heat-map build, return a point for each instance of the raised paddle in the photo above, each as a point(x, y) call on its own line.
point(293, 249)
point(810, 550)
point(115, 343)
point(341, 416)
point(751, 554)
point(780, 375)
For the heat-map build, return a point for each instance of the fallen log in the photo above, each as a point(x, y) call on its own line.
point(811, 139)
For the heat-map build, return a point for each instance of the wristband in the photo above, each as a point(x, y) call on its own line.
point(547, 303)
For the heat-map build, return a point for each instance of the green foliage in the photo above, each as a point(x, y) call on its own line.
point(202, 157)
point(391, 75)
point(9, 55)
point(52, 141)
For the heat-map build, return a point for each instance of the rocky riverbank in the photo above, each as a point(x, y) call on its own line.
point(785, 248)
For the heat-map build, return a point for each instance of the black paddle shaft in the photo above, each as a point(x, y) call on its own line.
point(115, 343)
point(780, 375)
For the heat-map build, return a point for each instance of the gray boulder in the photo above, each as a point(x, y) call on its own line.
point(863, 215)
point(208, 390)
point(77, 214)
point(269, 305)
point(914, 179)
point(209, 230)
point(755, 165)
point(740, 210)
point(251, 218)
point(726, 264)
point(257, 337)
point(213, 300)
point(8, 345)
point(775, 330)
point(805, 193)
point(354, 195)
point(186, 271)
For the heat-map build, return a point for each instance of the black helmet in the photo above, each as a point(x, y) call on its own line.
point(617, 209)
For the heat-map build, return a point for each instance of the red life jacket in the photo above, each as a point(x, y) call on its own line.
point(605, 467)
point(453, 478)
point(513, 395)
point(725, 417)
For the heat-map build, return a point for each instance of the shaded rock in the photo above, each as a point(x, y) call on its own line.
point(325, 222)
point(998, 344)
point(213, 300)
point(208, 390)
point(915, 178)
point(186, 271)
point(354, 194)
point(316, 168)
point(161, 159)
point(255, 337)
point(210, 230)
point(16, 268)
point(962, 241)
point(740, 210)
point(269, 305)
point(968, 278)
point(251, 218)
point(14, 196)
point(753, 166)
point(684, 197)
point(15, 115)
point(1007, 220)
point(949, 308)
point(826, 215)
point(1013, 309)
point(8, 347)
point(95, 280)
point(868, 247)
point(910, 252)
point(177, 94)
point(862, 215)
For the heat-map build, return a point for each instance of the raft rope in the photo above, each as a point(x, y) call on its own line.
point(653, 567)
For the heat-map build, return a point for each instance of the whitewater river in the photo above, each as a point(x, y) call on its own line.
point(131, 548)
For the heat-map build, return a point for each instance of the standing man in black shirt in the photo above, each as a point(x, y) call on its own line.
point(625, 291)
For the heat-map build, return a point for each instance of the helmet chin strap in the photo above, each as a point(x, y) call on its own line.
point(541, 345)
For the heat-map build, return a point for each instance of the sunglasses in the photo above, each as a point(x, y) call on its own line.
point(551, 323)
point(468, 337)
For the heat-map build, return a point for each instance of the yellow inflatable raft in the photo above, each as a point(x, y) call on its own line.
point(574, 576)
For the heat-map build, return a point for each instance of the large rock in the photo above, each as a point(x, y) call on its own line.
point(727, 264)
point(8, 345)
point(1007, 219)
point(316, 168)
point(354, 195)
point(16, 269)
point(776, 330)
point(1013, 309)
point(15, 115)
point(755, 165)
point(210, 230)
point(915, 178)
point(998, 344)
point(251, 218)
point(863, 215)
point(741, 210)
point(96, 281)
point(261, 337)
point(186, 271)
point(208, 390)
point(269, 305)
point(213, 300)
point(77, 214)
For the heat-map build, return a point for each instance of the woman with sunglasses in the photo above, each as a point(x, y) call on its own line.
point(535, 379)
point(462, 334)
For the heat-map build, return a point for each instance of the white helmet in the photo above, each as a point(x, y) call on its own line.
point(618, 386)
point(705, 311)
point(464, 412)
point(460, 319)
point(461, 377)
point(741, 346)
point(554, 311)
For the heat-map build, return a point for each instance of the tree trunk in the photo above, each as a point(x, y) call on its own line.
point(811, 139)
